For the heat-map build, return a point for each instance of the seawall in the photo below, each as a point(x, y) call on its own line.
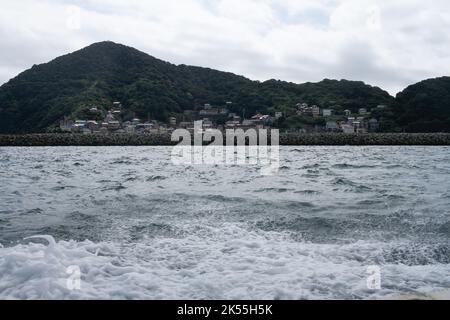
point(321, 139)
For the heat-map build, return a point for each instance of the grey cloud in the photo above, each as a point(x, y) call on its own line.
point(292, 42)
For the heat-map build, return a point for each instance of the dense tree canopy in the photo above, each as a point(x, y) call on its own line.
point(425, 106)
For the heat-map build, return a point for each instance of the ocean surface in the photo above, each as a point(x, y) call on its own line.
point(139, 227)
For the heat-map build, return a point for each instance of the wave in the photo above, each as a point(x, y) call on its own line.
point(418, 254)
point(227, 263)
point(222, 198)
point(355, 186)
point(353, 166)
point(153, 230)
point(445, 228)
point(155, 178)
point(118, 187)
point(307, 192)
point(122, 160)
point(276, 190)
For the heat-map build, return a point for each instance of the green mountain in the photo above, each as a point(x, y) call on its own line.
point(150, 88)
point(425, 106)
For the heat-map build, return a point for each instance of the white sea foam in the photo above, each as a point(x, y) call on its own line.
point(229, 262)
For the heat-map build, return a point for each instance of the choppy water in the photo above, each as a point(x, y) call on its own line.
point(140, 227)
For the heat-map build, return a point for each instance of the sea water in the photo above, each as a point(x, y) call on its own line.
point(136, 226)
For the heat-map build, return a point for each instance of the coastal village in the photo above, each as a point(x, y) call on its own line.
point(112, 120)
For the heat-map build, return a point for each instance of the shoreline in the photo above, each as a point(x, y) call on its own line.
point(288, 139)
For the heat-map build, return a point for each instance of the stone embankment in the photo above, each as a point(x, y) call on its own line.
point(321, 139)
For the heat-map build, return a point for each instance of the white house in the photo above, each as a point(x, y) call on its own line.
point(327, 112)
point(66, 125)
point(347, 128)
point(362, 111)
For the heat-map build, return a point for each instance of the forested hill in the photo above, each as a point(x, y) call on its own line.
point(425, 106)
point(105, 72)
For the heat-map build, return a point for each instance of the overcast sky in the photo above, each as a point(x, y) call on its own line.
point(390, 44)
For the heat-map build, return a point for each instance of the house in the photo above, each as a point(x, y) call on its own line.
point(374, 125)
point(233, 123)
point(78, 126)
point(266, 119)
point(80, 123)
point(113, 125)
point(186, 124)
point(163, 129)
point(278, 115)
point(301, 105)
point(319, 128)
point(347, 128)
point(362, 111)
point(359, 127)
point(94, 110)
point(130, 129)
point(209, 112)
point(207, 123)
point(93, 126)
point(109, 117)
point(117, 108)
point(173, 121)
point(315, 111)
point(110, 122)
point(144, 127)
point(308, 111)
point(66, 125)
point(327, 112)
point(250, 124)
point(257, 117)
point(262, 119)
point(347, 113)
point(332, 126)
point(304, 109)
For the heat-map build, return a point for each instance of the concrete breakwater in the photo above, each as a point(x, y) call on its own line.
point(321, 139)
point(376, 139)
